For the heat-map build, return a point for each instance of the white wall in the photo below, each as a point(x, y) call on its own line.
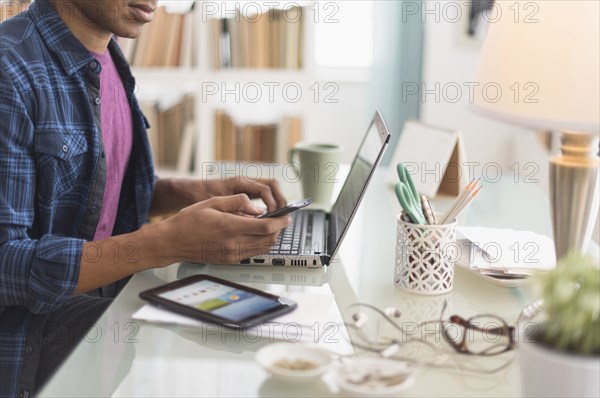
point(449, 60)
point(345, 122)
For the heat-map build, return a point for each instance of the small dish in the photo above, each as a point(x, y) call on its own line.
point(375, 377)
point(294, 362)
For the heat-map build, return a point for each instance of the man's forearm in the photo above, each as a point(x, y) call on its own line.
point(170, 195)
point(115, 258)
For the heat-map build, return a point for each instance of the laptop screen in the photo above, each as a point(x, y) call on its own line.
point(364, 164)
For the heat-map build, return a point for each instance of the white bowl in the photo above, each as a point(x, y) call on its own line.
point(270, 357)
point(376, 377)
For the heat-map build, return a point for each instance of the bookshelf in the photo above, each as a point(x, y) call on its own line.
point(163, 86)
point(251, 96)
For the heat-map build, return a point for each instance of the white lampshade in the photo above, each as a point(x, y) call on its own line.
point(546, 61)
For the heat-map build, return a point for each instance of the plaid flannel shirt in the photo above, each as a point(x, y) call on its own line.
point(53, 171)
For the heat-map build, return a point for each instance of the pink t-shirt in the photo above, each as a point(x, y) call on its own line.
point(117, 136)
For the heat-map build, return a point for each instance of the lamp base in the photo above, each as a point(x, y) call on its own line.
point(574, 192)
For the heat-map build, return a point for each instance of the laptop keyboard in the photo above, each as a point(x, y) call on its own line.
point(290, 238)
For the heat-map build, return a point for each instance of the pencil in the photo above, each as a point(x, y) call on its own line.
point(466, 203)
point(458, 201)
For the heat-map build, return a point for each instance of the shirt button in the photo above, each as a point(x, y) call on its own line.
point(65, 148)
point(24, 394)
point(97, 101)
point(103, 154)
point(93, 210)
point(93, 65)
point(28, 349)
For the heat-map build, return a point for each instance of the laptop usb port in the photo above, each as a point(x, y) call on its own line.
point(258, 260)
point(245, 261)
point(278, 261)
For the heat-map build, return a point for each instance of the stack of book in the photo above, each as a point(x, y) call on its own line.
point(169, 41)
point(269, 40)
point(254, 142)
point(172, 133)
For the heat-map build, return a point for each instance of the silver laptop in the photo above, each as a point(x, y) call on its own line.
point(314, 237)
point(296, 276)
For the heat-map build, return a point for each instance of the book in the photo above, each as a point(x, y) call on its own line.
point(11, 8)
point(293, 36)
point(186, 149)
point(257, 37)
point(150, 110)
point(173, 40)
point(245, 149)
point(187, 143)
point(169, 41)
point(172, 132)
point(275, 22)
point(264, 142)
point(136, 57)
point(282, 41)
point(241, 39)
point(216, 29)
point(261, 40)
point(290, 133)
point(187, 53)
point(253, 142)
point(152, 54)
point(219, 139)
point(231, 138)
point(225, 137)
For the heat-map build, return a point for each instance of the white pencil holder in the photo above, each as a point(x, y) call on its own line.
point(425, 256)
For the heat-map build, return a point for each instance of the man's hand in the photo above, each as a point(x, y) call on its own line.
point(171, 195)
point(218, 230)
point(267, 190)
point(222, 230)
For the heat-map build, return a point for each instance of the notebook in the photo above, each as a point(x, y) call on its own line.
point(314, 236)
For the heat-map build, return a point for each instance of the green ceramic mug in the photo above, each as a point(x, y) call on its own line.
point(317, 167)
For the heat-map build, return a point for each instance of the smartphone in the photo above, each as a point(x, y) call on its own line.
point(218, 301)
point(287, 209)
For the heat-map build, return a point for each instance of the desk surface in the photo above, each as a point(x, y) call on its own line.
point(121, 357)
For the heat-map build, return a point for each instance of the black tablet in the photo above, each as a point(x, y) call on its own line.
point(218, 301)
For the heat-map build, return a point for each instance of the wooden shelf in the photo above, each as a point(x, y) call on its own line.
point(161, 83)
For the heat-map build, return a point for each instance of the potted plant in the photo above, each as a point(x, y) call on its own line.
point(560, 356)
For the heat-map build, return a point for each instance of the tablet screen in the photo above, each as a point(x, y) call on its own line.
point(221, 300)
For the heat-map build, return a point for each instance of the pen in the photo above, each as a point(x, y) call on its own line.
point(428, 211)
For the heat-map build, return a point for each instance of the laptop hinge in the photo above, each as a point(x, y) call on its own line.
point(325, 259)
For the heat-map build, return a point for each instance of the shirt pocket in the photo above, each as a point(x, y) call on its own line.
point(60, 161)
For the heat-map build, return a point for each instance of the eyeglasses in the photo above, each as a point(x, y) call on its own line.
point(478, 335)
point(481, 335)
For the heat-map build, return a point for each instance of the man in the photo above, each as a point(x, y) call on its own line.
point(77, 184)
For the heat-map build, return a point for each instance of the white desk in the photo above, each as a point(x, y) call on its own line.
point(125, 358)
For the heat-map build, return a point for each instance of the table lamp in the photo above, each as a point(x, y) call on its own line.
point(540, 69)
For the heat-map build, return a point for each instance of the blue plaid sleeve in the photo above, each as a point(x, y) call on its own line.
point(37, 273)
